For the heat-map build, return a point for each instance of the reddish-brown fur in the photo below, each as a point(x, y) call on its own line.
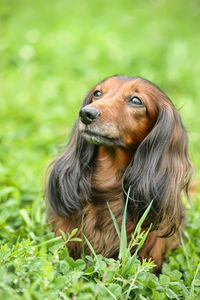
point(98, 225)
point(131, 125)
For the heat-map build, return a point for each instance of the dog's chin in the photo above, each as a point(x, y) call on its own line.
point(98, 139)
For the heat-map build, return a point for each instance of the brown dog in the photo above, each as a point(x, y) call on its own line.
point(128, 135)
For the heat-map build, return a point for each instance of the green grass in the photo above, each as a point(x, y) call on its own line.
point(51, 53)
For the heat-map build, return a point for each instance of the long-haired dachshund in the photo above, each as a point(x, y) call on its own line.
point(128, 136)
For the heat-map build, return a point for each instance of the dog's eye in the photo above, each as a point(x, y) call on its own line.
point(97, 94)
point(136, 101)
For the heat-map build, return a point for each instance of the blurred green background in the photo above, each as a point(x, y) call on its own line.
point(51, 53)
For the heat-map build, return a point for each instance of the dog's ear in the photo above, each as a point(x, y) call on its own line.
point(69, 182)
point(158, 172)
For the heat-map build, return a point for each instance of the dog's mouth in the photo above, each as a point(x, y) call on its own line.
point(98, 139)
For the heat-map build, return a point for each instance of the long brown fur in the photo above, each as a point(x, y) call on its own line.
point(116, 145)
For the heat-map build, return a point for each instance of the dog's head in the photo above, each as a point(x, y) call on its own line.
point(120, 111)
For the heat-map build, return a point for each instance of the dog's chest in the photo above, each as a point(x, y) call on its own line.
point(100, 229)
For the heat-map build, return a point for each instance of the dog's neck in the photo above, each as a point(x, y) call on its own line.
point(110, 166)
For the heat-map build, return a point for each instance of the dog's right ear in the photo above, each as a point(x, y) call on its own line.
point(69, 183)
point(159, 171)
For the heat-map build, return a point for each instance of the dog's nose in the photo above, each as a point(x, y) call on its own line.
point(89, 115)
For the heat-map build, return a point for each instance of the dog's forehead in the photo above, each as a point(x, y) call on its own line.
point(124, 83)
point(111, 82)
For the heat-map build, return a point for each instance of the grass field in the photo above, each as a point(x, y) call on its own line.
point(51, 53)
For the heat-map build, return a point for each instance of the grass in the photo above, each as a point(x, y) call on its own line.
point(51, 53)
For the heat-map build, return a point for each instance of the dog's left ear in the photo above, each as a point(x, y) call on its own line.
point(158, 172)
point(69, 181)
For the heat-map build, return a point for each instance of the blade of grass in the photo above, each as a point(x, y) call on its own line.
point(110, 292)
point(114, 220)
point(133, 258)
point(123, 236)
point(49, 241)
point(140, 270)
point(24, 214)
point(132, 283)
point(191, 295)
point(143, 238)
point(90, 246)
point(139, 224)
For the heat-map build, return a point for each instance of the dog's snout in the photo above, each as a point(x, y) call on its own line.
point(89, 115)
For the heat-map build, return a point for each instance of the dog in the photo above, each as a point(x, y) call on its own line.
point(128, 141)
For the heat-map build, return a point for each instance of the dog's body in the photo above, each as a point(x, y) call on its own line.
point(128, 136)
